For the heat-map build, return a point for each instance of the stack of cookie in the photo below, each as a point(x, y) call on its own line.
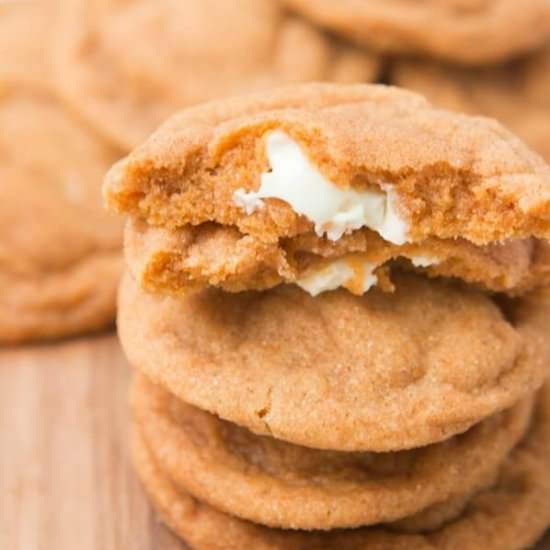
point(335, 300)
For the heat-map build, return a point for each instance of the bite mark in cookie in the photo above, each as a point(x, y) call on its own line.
point(300, 176)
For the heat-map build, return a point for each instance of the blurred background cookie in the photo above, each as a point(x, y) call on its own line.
point(128, 64)
point(60, 251)
point(517, 93)
point(26, 29)
point(463, 31)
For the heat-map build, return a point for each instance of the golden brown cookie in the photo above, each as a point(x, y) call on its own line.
point(465, 31)
point(517, 93)
point(440, 514)
point(59, 252)
point(295, 487)
point(511, 515)
point(294, 176)
point(171, 262)
point(379, 372)
point(128, 64)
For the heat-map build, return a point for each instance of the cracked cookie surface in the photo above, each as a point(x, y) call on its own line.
point(172, 262)
point(379, 372)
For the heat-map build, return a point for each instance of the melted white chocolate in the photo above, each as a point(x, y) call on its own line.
point(340, 273)
point(333, 210)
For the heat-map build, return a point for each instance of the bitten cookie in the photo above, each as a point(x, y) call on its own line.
point(127, 65)
point(326, 186)
point(465, 31)
point(290, 486)
point(193, 257)
point(60, 255)
point(380, 372)
point(517, 93)
point(511, 515)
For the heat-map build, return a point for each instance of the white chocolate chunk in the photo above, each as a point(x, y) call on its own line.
point(249, 202)
point(334, 211)
point(424, 261)
point(338, 273)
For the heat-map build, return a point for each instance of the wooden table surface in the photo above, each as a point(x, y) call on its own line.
point(66, 482)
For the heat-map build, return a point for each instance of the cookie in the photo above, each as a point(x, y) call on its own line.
point(440, 514)
point(301, 488)
point(380, 372)
point(374, 164)
point(172, 262)
point(511, 515)
point(517, 93)
point(60, 254)
point(472, 32)
point(127, 65)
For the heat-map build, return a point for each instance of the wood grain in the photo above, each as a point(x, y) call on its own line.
point(65, 478)
point(66, 482)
